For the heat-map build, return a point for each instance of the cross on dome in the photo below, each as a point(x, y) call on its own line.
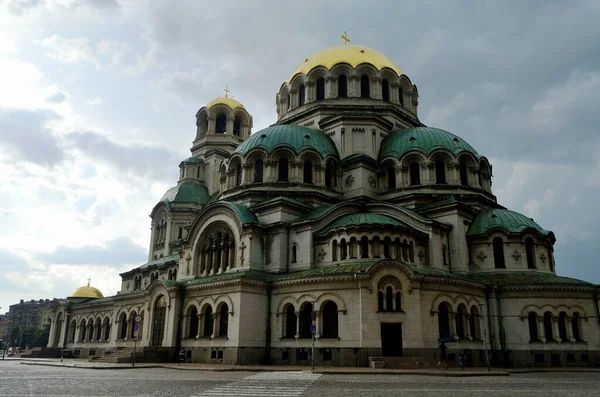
point(89, 280)
point(226, 92)
point(345, 38)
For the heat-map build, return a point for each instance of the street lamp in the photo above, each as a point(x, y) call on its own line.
point(487, 358)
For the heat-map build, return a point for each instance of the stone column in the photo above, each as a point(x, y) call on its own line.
point(394, 98)
point(297, 325)
point(569, 327)
point(318, 325)
point(376, 88)
point(541, 331)
point(294, 99)
point(329, 88)
point(310, 90)
point(452, 318)
point(229, 125)
point(555, 331)
point(467, 322)
point(211, 125)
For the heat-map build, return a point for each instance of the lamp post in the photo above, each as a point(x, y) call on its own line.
point(487, 358)
point(313, 331)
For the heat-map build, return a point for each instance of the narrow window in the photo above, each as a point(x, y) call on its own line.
point(237, 126)
point(440, 172)
point(342, 84)
point(193, 332)
point(529, 250)
point(464, 178)
point(334, 251)
point(289, 101)
point(386, 247)
point(365, 87)
point(308, 171)
point(380, 301)
point(301, 95)
point(224, 320)
point(221, 124)
point(460, 322)
point(562, 326)
point(208, 321)
point(306, 321)
point(283, 170)
point(415, 174)
point(180, 233)
point(389, 299)
point(238, 175)
point(385, 90)
point(343, 249)
point(364, 247)
point(401, 96)
point(445, 255)
point(330, 320)
point(575, 327)
point(294, 253)
point(498, 253)
point(258, 171)
point(290, 322)
point(443, 320)
point(328, 176)
point(533, 327)
point(548, 326)
point(391, 176)
point(320, 89)
point(474, 323)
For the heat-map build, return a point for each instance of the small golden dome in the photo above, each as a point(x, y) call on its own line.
point(86, 292)
point(353, 55)
point(232, 103)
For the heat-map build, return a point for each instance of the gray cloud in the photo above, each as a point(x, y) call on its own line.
point(116, 252)
point(19, 7)
point(26, 136)
point(57, 97)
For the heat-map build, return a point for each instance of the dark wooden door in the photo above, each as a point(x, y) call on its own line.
point(158, 323)
point(391, 339)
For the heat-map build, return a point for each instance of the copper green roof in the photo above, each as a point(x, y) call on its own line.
point(248, 274)
point(294, 137)
point(157, 263)
point(324, 271)
point(528, 278)
point(364, 218)
point(422, 139)
point(245, 215)
point(192, 159)
point(186, 192)
point(513, 222)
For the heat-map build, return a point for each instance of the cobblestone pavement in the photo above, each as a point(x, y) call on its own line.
point(28, 380)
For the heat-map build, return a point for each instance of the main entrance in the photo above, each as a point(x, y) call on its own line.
point(158, 326)
point(391, 339)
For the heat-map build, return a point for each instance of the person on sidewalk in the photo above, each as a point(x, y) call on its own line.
point(443, 355)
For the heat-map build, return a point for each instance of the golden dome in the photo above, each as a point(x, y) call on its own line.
point(86, 292)
point(353, 55)
point(232, 103)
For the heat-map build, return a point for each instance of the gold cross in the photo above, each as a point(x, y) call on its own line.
point(89, 279)
point(345, 38)
point(226, 92)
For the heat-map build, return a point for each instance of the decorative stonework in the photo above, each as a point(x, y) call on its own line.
point(481, 256)
point(322, 254)
point(543, 258)
point(516, 255)
point(349, 181)
point(372, 181)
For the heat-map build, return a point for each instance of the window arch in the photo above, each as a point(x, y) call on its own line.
point(440, 172)
point(530, 253)
point(365, 86)
point(444, 320)
point(330, 320)
point(282, 170)
point(223, 320)
point(258, 171)
point(342, 86)
point(391, 177)
point(320, 88)
point(385, 90)
point(498, 245)
point(221, 123)
point(290, 322)
point(194, 321)
point(294, 258)
point(208, 321)
point(533, 327)
point(307, 169)
point(237, 126)
point(415, 173)
point(216, 248)
point(464, 176)
point(548, 327)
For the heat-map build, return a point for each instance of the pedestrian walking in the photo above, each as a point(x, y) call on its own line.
point(442, 350)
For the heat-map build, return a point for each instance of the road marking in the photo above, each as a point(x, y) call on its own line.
point(265, 384)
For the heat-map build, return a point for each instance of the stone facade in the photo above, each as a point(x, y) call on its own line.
point(348, 217)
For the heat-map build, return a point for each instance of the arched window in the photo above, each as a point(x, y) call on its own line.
point(343, 249)
point(548, 327)
point(401, 96)
point(415, 174)
point(474, 323)
point(334, 250)
point(460, 321)
point(389, 298)
point(290, 322)
point(306, 320)
point(328, 176)
point(289, 101)
point(294, 253)
point(365, 87)
point(320, 89)
point(364, 247)
point(443, 320)
point(72, 331)
point(380, 306)
point(386, 247)
point(562, 326)
point(221, 124)
point(193, 331)
point(575, 327)
point(529, 250)
point(223, 320)
point(533, 327)
point(342, 86)
point(282, 166)
point(464, 177)
point(498, 253)
point(123, 323)
point(391, 178)
point(440, 172)
point(411, 251)
point(398, 301)
point(238, 175)
point(307, 170)
point(237, 126)
point(208, 322)
point(385, 90)
point(301, 95)
point(258, 171)
point(82, 330)
point(330, 320)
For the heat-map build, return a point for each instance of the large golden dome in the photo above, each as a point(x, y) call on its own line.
point(232, 103)
point(353, 55)
point(86, 292)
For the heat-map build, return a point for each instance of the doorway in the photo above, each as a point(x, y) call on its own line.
point(391, 339)
point(158, 326)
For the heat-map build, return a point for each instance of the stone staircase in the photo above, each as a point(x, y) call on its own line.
point(118, 355)
point(397, 362)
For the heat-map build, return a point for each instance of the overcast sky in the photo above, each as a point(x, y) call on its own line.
point(98, 97)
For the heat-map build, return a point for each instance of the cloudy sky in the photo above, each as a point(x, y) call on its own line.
point(98, 97)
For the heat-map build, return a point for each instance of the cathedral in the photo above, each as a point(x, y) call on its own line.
point(347, 221)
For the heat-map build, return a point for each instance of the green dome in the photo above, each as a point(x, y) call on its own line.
point(186, 193)
point(291, 136)
point(192, 159)
point(422, 139)
point(510, 221)
point(363, 218)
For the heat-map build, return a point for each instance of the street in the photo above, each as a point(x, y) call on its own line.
point(32, 380)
